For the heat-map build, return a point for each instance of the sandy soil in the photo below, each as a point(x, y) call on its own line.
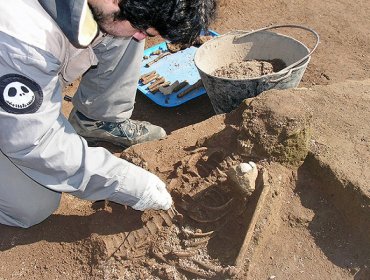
point(248, 69)
point(309, 215)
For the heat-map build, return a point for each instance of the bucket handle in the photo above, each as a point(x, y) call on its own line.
point(283, 77)
point(297, 62)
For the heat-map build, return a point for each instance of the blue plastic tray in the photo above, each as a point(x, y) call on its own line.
point(177, 66)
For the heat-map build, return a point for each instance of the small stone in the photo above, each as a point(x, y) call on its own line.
point(245, 167)
point(244, 177)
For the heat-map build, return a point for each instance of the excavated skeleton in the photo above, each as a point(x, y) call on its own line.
point(188, 236)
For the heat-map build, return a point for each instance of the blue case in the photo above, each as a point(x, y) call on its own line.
point(177, 66)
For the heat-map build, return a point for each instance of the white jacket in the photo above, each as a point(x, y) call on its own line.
point(36, 59)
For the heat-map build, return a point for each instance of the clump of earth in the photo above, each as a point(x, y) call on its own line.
point(249, 69)
point(176, 47)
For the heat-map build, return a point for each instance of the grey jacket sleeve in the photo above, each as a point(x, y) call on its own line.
point(38, 139)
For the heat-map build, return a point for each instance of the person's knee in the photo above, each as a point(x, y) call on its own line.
point(38, 215)
point(31, 215)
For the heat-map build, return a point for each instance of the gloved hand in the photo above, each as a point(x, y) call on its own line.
point(155, 196)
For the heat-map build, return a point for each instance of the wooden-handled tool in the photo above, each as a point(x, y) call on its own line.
point(189, 89)
point(174, 87)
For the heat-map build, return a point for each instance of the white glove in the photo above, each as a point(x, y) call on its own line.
point(155, 196)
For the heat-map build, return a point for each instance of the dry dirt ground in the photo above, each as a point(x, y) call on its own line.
point(309, 215)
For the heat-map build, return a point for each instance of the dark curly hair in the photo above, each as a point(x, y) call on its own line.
point(179, 21)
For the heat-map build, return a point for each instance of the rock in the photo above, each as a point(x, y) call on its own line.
point(244, 177)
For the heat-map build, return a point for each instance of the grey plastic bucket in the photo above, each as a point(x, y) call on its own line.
point(226, 94)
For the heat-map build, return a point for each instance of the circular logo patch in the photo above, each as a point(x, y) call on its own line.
point(19, 94)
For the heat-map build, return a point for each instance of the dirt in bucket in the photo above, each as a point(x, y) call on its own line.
point(249, 69)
